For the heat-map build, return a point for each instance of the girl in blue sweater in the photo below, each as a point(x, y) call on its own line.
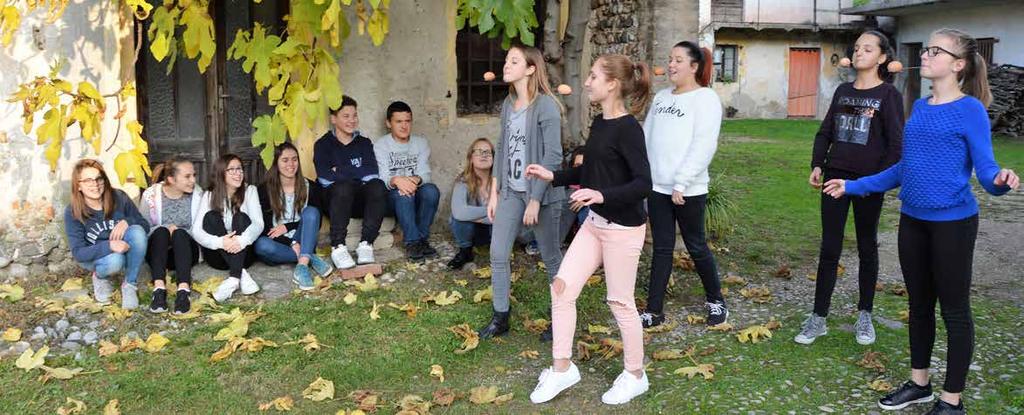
point(947, 135)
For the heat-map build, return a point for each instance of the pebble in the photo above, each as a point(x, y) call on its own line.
point(62, 325)
point(39, 329)
point(93, 324)
point(975, 367)
point(21, 347)
point(91, 337)
point(828, 409)
point(79, 357)
point(38, 336)
point(75, 336)
point(72, 346)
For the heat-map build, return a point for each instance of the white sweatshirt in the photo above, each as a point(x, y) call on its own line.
point(682, 135)
point(251, 207)
point(411, 158)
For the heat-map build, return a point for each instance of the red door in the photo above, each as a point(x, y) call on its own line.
point(804, 67)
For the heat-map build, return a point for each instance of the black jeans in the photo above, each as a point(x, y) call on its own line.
point(213, 224)
point(664, 216)
point(177, 252)
point(353, 199)
point(866, 211)
point(936, 258)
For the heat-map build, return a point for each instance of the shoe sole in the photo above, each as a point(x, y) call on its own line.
point(557, 393)
point(158, 311)
point(712, 325)
point(926, 399)
point(364, 262)
point(809, 340)
point(301, 288)
point(626, 401)
point(865, 342)
point(251, 292)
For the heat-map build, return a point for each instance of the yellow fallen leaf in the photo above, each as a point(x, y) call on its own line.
point(87, 304)
point(257, 344)
point(503, 398)
point(71, 284)
point(350, 298)
point(207, 286)
point(30, 360)
point(483, 273)
point(352, 412)
point(50, 305)
point(597, 329)
point(218, 318)
point(593, 280)
point(514, 276)
point(444, 397)
point(461, 283)
point(905, 315)
point(873, 360)
point(610, 348)
point(721, 327)
point(107, 348)
point(484, 294)
point(483, 394)
point(880, 385)
point(367, 400)
point(321, 389)
point(733, 279)
point(61, 373)
point(536, 326)
point(773, 324)
point(529, 354)
point(155, 342)
point(12, 335)
point(375, 311)
point(72, 407)
point(840, 270)
point(753, 334)
point(368, 284)
point(282, 404)
point(758, 295)
point(438, 372)
point(409, 308)
point(443, 298)
point(668, 354)
point(116, 313)
point(662, 328)
point(470, 336)
point(310, 341)
point(695, 319)
point(413, 405)
point(129, 344)
point(707, 370)
point(112, 408)
point(12, 293)
point(229, 347)
point(812, 277)
point(238, 327)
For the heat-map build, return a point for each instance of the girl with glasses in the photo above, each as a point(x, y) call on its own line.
point(469, 222)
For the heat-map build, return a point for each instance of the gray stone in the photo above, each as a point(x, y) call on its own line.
point(4, 261)
point(71, 346)
point(975, 367)
point(93, 324)
point(62, 325)
point(18, 271)
point(37, 336)
point(892, 324)
point(75, 336)
point(38, 268)
point(52, 333)
point(39, 329)
point(21, 347)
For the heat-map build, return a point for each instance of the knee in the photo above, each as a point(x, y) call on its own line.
point(212, 220)
point(161, 233)
point(179, 235)
point(376, 187)
point(429, 193)
point(622, 308)
point(310, 213)
point(135, 234)
point(499, 256)
point(110, 264)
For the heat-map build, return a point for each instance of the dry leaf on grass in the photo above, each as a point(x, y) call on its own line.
point(61, 373)
point(661, 328)
point(107, 348)
point(461, 283)
point(880, 385)
point(229, 347)
point(783, 272)
point(116, 313)
point(443, 298)
point(413, 405)
point(483, 273)
point(594, 280)
point(610, 348)
point(71, 284)
point(899, 290)
point(758, 295)
point(470, 337)
point(721, 327)
point(696, 319)
point(669, 354)
point(51, 305)
point(410, 309)
point(536, 326)
point(773, 324)
point(12, 335)
point(366, 399)
point(375, 312)
point(484, 294)
point(905, 315)
point(310, 341)
point(207, 286)
point(733, 279)
point(369, 283)
point(155, 342)
point(321, 389)
point(598, 329)
point(481, 395)
point(72, 407)
point(438, 372)
point(529, 354)
point(112, 408)
point(282, 404)
point(31, 360)
point(86, 304)
point(444, 397)
point(129, 344)
point(12, 293)
point(706, 370)
point(873, 360)
point(350, 298)
point(754, 334)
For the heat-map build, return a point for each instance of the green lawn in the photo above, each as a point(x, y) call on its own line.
point(764, 164)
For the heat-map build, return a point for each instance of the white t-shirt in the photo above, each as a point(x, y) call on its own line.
point(682, 136)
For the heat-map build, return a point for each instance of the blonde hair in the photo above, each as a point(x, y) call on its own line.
point(538, 82)
point(79, 210)
point(468, 174)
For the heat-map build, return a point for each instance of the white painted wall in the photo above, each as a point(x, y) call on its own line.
point(797, 11)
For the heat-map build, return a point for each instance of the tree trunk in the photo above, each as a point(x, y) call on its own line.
point(572, 54)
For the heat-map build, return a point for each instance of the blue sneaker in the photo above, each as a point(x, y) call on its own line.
point(302, 278)
point(321, 267)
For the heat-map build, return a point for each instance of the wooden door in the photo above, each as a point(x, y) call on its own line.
point(804, 68)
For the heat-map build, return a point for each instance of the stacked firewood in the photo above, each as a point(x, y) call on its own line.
point(1007, 109)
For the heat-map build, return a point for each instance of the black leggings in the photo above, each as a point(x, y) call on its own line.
point(936, 258)
point(177, 252)
point(353, 199)
point(866, 211)
point(664, 216)
point(213, 224)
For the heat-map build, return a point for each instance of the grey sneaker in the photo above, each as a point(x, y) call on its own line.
point(813, 328)
point(102, 289)
point(129, 296)
point(864, 330)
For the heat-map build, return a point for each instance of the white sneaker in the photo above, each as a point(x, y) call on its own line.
point(249, 286)
point(364, 252)
point(342, 259)
point(129, 296)
point(551, 383)
point(102, 289)
point(225, 289)
point(625, 388)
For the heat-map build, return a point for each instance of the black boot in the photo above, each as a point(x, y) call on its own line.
point(497, 327)
point(463, 257)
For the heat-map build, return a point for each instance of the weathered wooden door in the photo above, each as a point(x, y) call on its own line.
point(201, 116)
point(804, 68)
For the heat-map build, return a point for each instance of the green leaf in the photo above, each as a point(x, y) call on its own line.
point(269, 131)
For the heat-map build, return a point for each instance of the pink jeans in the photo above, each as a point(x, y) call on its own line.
point(619, 251)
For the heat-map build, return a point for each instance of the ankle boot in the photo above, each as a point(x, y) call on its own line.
point(463, 257)
point(497, 327)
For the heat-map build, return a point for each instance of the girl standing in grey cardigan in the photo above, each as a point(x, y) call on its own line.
point(530, 134)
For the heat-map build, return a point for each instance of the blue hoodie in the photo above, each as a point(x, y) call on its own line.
point(337, 162)
point(89, 240)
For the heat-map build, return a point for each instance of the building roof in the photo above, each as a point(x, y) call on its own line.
point(788, 27)
point(908, 7)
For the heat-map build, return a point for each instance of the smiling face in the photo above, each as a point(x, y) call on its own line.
point(288, 163)
point(482, 156)
point(516, 67)
point(867, 52)
point(346, 120)
point(943, 64)
point(184, 178)
point(400, 124)
point(681, 66)
point(598, 85)
point(233, 175)
point(91, 183)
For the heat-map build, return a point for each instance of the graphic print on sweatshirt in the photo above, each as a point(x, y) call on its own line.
point(660, 108)
point(402, 163)
point(357, 162)
point(99, 230)
point(853, 118)
point(517, 150)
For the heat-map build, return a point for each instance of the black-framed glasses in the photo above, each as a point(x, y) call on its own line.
point(93, 181)
point(233, 170)
point(483, 153)
point(934, 51)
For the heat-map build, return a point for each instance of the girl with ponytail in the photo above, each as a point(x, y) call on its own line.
point(682, 136)
point(947, 136)
point(614, 179)
point(862, 134)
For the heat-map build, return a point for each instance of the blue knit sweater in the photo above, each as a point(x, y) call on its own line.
point(941, 145)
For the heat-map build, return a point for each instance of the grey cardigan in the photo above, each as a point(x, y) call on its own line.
point(543, 146)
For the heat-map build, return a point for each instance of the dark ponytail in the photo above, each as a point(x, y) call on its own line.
point(890, 54)
point(974, 78)
point(168, 168)
point(700, 56)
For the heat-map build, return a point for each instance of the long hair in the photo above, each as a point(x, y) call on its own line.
point(885, 45)
point(538, 83)
point(79, 210)
point(634, 80)
point(700, 56)
point(168, 168)
point(974, 78)
point(219, 187)
point(275, 191)
point(468, 175)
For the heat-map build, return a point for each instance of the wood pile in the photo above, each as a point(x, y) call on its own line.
point(1007, 109)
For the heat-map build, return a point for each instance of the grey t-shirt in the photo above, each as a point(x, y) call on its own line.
point(177, 212)
point(516, 150)
point(289, 215)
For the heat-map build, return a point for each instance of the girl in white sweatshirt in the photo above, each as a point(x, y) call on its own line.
point(681, 131)
point(228, 222)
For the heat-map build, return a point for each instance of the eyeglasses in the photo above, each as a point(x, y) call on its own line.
point(934, 51)
point(93, 181)
point(483, 153)
point(233, 170)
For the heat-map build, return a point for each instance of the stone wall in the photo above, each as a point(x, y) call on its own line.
point(616, 27)
point(34, 243)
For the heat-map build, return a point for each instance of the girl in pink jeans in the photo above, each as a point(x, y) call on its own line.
point(615, 177)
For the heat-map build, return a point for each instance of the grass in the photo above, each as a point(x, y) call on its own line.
point(763, 163)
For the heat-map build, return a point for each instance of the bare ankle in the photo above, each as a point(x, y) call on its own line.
point(561, 365)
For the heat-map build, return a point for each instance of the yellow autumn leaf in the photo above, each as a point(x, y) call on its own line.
point(759, 295)
point(536, 326)
point(207, 286)
point(413, 405)
point(733, 279)
point(593, 280)
point(257, 344)
point(368, 284)
point(598, 329)
point(129, 344)
point(310, 341)
point(367, 400)
point(437, 371)
point(71, 284)
point(50, 305)
point(721, 327)
point(30, 360)
point(461, 283)
point(10, 20)
point(773, 324)
point(483, 394)
point(155, 342)
point(444, 298)
point(73, 407)
point(668, 354)
point(12, 293)
point(112, 408)
point(503, 398)
point(350, 298)
point(107, 348)
point(12, 335)
point(754, 333)
point(321, 389)
point(87, 304)
point(229, 347)
point(409, 308)
point(116, 313)
point(375, 311)
point(282, 404)
point(880, 385)
point(483, 273)
point(61, 373)
point(470, 337)
point(706, 370)
point(238, 327)
point(529, 354)
point(695, 319)
point(662, 328)
point(484, 294)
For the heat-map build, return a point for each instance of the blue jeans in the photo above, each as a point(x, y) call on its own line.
point(130, 262)
point(415, 213)
point(470, 234)
point(279, 251)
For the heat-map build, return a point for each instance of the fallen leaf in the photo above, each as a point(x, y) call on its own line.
point(725, 292)
point(597, 329)
point(773, 324)
point(873, 360)
point(413, 405)
point(683, 260)
point(706, 369)
point(461, 283)
point(87, 304)
point(310, 341)
point(754, 334)
point(352, 412)
point(610, 348)
point(529, 354)
point(899, 290)
point(583, 350)
point(155, 342)
point(470, 337)
point(443, 298)
point(107, 348)
point(61, 373)
point(880, 385)
point(238, 327)
point(484, 294)
point(840, 270)
point(444, 397)
point(12, 335)
point(116, 313)
point(350, 298)
point(71, 284)
point(229, 348)
point(721, 327)
point(321, 389)
point(409, 308)
point(30, 360)
point(437, 371)
point(256, 344)
point(483, 394)
point(879, 286)
point(73, 407)
point(503, 398)
point(282, 404)
point(129, 344)
point(51, 305)
point(905, 315)
point(758, 295)
point(593, 280)
point(218, 318)
point(367, 400)
point(112, 408)
point(661, 328)
point(536, 326)
point(695, 319)
point(783, 272)
point(483, 273)
point(668, 354)
point(812, 277)
point(12, 293)
point(733, 279)
point(375, 311)
point(369, 283)
point(207, 286)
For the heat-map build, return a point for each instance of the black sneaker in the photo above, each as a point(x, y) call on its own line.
point(182, 304)
point(159, 303)
point(427, 250)
point(463, 257)
point(414, 251)
point(718, 313)
point(547, 335)
point(944, 408)
point(648, 319)
point(907, 394)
